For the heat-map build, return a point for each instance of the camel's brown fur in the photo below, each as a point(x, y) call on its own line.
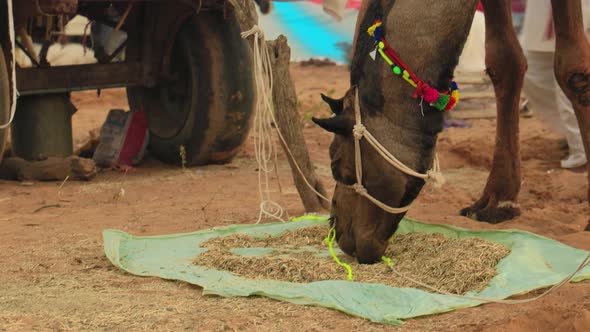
point(504, 55)
point(395, 119)
point(429, 35)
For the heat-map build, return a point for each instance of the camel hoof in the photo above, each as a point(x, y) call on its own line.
point(492, 215)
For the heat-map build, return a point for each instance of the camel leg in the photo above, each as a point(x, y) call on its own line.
point(572, 64)
point(506, 66)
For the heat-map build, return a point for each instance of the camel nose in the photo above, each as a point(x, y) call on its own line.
point(370, 252)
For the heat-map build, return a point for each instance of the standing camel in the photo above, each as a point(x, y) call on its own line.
point(429, 36)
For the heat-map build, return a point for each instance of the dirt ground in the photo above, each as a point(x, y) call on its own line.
point(54, 275)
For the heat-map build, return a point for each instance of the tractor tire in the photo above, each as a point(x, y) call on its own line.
point(4, 101)
point(204, 108)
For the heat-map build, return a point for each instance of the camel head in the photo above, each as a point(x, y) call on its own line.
point(362, 228)
point(403, 125)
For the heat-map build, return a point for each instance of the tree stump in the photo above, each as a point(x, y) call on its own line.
point(289, 123)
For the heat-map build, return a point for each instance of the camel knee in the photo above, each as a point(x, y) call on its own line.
point(507, 64)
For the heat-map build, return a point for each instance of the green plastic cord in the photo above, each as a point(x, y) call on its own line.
point(388, 261)
point(330, 242)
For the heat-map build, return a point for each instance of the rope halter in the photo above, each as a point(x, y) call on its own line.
point(359, 132)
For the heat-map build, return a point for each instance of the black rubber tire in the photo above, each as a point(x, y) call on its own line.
point(208, 105)
point(4, 101)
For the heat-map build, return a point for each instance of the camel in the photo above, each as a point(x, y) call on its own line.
point(429, 36)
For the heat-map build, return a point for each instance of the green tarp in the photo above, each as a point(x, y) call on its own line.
point(535, 262)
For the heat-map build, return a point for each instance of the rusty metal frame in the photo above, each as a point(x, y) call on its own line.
point(32, 81)
point(159, 19)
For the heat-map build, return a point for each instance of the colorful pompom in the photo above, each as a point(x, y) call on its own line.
point(441, 102)
point(378, 33)
point(431, 95)
point(451, 104)
point(375, 30)
point(455, 94)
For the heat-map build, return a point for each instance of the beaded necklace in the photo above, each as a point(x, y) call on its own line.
point(441, 100)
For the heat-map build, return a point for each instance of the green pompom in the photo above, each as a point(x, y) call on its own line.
point(397, 70)
point(441, 102)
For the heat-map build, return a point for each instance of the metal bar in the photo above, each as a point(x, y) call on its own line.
point(116, 52)
point(194, 4)
point(26, 52)
point(31, 81)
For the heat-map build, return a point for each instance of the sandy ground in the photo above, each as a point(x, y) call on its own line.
point(54, 275)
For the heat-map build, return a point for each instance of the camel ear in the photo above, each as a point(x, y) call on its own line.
point(337, 124)
point(336, 105)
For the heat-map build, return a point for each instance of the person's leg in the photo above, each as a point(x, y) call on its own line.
point(572, 64)
point(577, 155)
point(540, 87)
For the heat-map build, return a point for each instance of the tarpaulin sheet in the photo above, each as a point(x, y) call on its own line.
point(534, 262)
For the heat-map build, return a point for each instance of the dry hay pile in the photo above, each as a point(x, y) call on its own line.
point(307, 236)
point(452, 265)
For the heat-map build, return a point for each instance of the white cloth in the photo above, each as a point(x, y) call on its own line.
point(537, 30)
point(549, 101)
point(335, 8)
point(473, 56)
point(540, 85)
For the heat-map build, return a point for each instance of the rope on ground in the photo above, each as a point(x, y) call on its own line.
point(11, 35)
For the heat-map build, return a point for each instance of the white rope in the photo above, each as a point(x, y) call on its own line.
point(11, 35)
point(263, 118)
point(264, 148)
point(359, 132)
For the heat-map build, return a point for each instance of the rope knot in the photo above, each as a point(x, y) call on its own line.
point(437, 178)
point(255, 30)
point(421, 88)
point(359, 131)
point(359, 189)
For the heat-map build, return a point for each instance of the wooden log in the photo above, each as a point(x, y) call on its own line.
point(290, 125)
point(87, 147)
point(50, 169)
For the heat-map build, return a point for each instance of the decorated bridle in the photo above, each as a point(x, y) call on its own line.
point(441, 100)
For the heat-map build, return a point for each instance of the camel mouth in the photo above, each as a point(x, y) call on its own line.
point(366, 249)
point(362, 229)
